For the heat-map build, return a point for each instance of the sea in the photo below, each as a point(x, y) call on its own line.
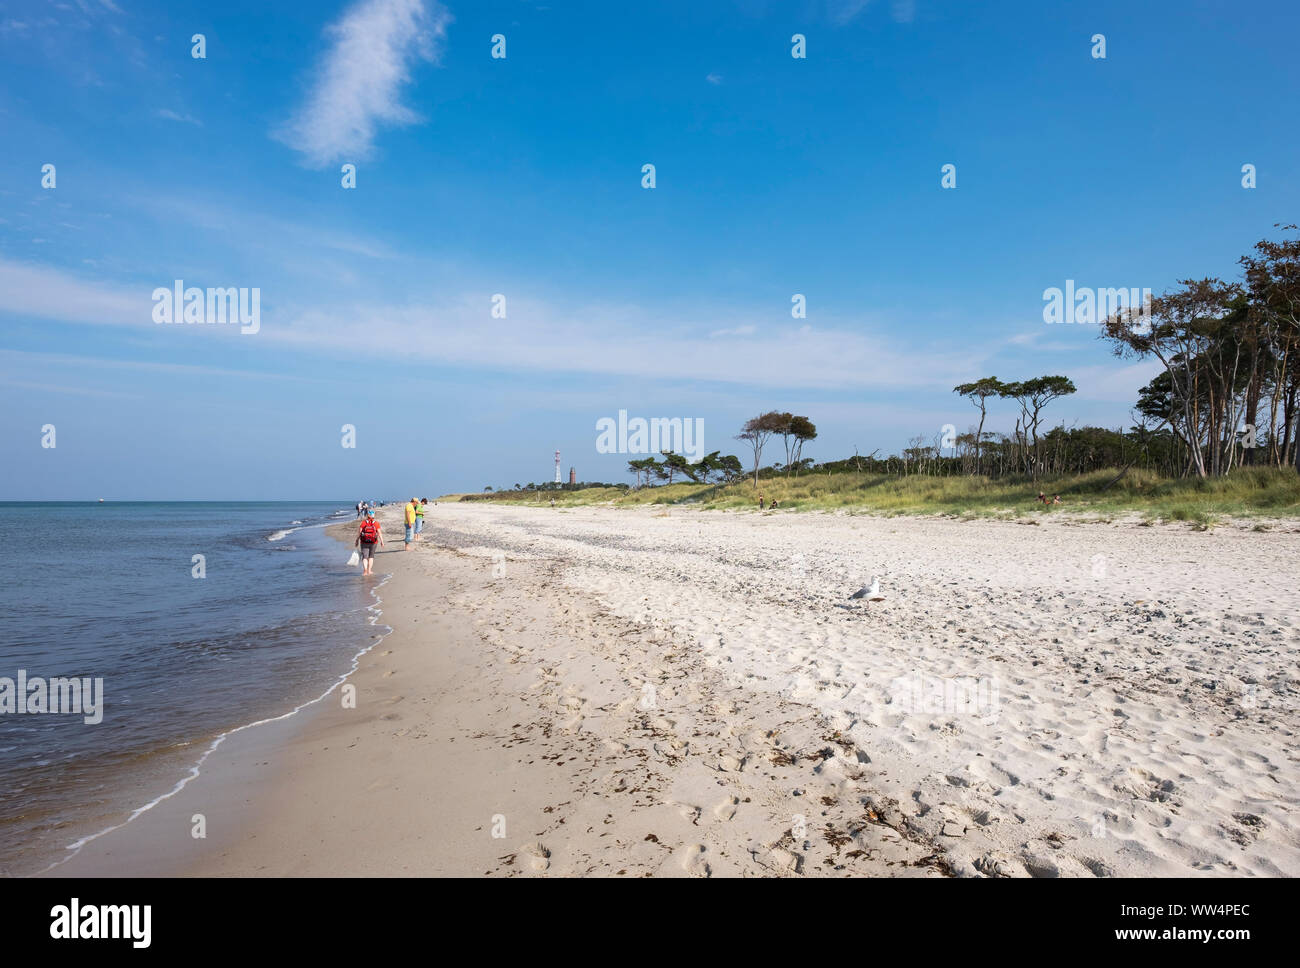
point(196, 617)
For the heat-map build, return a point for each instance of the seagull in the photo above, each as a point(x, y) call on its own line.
point(871, 593)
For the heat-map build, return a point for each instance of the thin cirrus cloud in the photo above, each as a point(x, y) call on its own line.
point(620, 341)
point(843, 11)
point(46, 293)
point(169, 115)
point(595, 340)
point(361, 79)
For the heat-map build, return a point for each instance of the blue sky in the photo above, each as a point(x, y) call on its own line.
point(522, 176)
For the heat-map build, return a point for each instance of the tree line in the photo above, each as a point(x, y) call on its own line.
point(793, 429)
point(1229, 395)
point(1231, 358)
point(711, 469)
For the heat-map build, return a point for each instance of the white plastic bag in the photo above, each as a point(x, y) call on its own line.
point(355, 559)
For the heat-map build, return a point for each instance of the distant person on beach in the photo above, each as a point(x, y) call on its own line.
point(358, 509)
point(762, 504)
point(419, 515)
point(1056, 499)
point(410, 524)
point(369, 535)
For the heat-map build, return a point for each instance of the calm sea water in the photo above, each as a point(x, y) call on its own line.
point(107, 591)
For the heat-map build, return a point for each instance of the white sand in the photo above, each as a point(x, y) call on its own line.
point(1072, 699)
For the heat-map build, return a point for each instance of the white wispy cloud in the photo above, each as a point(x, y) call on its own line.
point(714, 78)
point(27, 361)
point(361, 78)
point(621, 341)
point(539, 336)
point(57, 388)
point(170, 115)
point(842, 11)
point(226, 219)
point(47, 293)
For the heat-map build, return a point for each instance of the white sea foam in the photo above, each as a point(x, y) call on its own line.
point(376, 612)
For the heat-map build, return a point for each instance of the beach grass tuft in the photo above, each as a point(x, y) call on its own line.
point(1245, 492)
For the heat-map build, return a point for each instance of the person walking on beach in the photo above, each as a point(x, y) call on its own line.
point(410, 524)
point(369, 535)
point(419, 516)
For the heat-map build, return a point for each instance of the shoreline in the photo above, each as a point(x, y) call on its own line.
point(121, 829)
point(557, 677)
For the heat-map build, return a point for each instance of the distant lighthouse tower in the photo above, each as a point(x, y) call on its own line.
point(557, 467)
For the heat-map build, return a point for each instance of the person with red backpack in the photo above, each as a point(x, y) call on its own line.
point(369, 536)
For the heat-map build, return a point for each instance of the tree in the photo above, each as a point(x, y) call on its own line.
point(1016, 392)
point(1273, 283)
point(802, 430)
point(706, 465)
point(1188, 331)
point(675, 463)
point(1039, 392)
point(756, 432)
point(1033, 396)
point(781, 424)
point(978, 394)
point(731, 468)
point(645, 467)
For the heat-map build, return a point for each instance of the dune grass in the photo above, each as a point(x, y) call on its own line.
point(1245, 492)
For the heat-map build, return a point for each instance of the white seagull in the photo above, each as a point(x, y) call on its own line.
point(871, 593)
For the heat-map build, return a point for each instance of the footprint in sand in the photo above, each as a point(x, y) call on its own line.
point(539, 858)
point(726, 809)
point(693, 862)
point(785, 860)
point(690, 812)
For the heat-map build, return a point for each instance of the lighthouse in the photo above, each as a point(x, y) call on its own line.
point(557, 467)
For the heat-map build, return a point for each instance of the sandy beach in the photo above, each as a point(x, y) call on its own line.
point(653, 692)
